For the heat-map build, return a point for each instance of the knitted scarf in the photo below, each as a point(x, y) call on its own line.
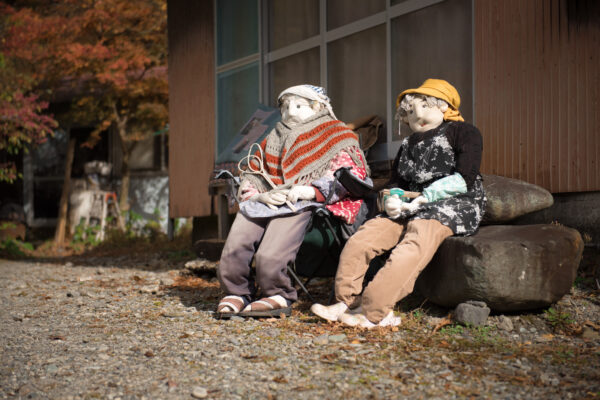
point(301, 154)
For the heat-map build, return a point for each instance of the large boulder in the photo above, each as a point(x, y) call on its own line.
point(509, 267)
point(509, 198)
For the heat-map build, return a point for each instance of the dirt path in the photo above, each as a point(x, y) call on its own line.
point(102, 330)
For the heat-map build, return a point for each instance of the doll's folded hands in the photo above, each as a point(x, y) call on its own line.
point(273, 198)
point(300, 192)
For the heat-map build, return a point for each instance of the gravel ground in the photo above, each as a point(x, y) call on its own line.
point(104, 328)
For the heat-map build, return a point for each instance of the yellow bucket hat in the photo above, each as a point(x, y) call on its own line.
point(440, 89)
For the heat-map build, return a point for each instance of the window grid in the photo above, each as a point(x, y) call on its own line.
point(266, 57)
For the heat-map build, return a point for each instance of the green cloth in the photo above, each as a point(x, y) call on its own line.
point(444, 188)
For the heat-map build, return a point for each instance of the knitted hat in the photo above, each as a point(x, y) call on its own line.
point(440, 89)
point(310, 92)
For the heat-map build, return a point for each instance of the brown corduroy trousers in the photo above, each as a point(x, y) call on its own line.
point(414, 243)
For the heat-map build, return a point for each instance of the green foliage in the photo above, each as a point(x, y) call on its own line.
point(484, 334)
point(86, 235)
point(418, 314)
point(14, 247)
point(7, 225)
point(557, 319)
point(131, 219)
point(452, 330)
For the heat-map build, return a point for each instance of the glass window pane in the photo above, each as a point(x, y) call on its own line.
point(434, 42)
point(291, 21)
point(356, 74)
point(237, 29)
point(142, 155)
point(49, 157)
point(237, 99)
point(342, 12)
point(295, 70)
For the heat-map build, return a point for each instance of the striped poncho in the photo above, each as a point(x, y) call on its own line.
point(302, 154)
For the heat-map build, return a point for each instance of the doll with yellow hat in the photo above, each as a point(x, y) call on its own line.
point(440, 160)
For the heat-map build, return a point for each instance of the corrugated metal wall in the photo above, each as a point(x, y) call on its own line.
point(537, 90)
point(191, 106)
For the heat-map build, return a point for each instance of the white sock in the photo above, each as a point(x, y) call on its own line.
point(330, 313)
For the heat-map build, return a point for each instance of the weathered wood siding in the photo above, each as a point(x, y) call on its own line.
point(191, 106)
point(537, 90)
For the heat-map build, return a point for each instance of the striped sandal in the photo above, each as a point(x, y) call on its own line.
point(273, 306)
point(230, 305)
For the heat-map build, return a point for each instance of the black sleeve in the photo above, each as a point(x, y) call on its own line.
point(396, 180)
point(467, 143)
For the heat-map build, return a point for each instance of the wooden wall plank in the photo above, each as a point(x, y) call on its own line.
point(529, 149)
point(575, 114)
point(191, 106)
point(537, 91)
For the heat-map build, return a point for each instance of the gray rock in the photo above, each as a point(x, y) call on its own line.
point(322, 339)
point(472, 313)
point(505, 323)
point(510, 268)
point(199, 393)
point(51, 368)
point(509, 198)
point(337, 338)
point(589, 333)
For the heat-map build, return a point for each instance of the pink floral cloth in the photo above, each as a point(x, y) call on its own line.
point(347, 209)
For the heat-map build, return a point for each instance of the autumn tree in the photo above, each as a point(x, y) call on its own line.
point(23, 120)
point(111, 57)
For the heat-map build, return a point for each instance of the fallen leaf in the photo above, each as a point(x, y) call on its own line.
point(547, 337)
point(331, 356)
point(593, 325)
point(441, 324)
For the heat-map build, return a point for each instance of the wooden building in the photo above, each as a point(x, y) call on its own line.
point(528, 73)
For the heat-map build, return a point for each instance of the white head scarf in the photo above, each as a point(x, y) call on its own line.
point(310, 92)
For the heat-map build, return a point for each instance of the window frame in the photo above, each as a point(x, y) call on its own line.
point(381, 152)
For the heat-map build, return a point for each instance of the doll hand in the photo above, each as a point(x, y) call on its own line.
point(393, 206)
point(301, 193)
point(271, 199)
point(415, 204)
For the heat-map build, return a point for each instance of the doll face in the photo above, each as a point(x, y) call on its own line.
point(295, 110)
point(421, 117)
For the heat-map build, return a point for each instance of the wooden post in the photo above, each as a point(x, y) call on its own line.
point(59, 236)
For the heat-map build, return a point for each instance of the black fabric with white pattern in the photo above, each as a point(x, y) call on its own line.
point(425, 157)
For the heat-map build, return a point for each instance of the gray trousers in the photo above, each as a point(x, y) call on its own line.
point(273, 242)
